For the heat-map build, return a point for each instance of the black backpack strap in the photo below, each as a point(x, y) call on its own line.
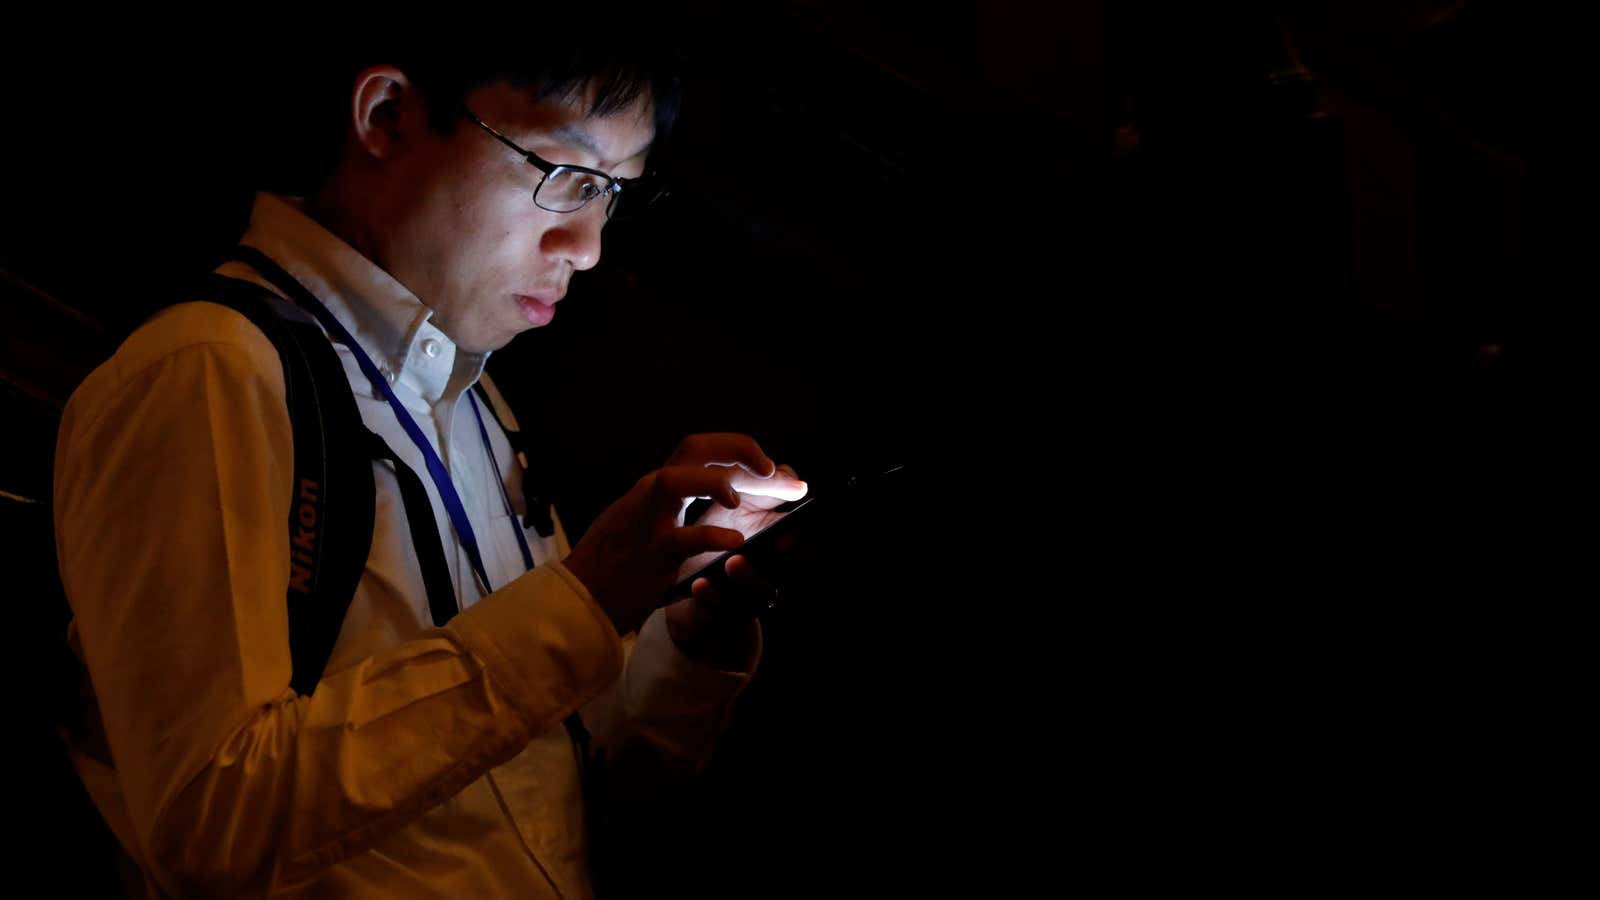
point(536, 468)
point(332, 500)
point(442, 602)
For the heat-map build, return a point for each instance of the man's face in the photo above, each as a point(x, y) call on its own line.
point(460, 228)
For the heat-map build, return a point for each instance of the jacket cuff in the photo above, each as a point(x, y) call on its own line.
point(677, 702)
point(544, 637)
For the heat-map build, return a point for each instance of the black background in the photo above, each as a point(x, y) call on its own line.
point(1200, 328)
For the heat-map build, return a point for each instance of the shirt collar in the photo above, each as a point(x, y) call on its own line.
point(392, 325)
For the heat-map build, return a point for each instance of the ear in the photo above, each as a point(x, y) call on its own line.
point(388, 113)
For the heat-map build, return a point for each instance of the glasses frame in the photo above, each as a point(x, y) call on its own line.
point(614, 185)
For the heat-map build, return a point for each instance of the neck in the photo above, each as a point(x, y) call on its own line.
point(332, 206)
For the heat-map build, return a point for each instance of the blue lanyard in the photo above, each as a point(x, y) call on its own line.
point(436, 468)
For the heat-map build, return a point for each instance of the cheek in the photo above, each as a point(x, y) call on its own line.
point(475, 231)
point(506, 253)
point(507, 239)
point(483, 232)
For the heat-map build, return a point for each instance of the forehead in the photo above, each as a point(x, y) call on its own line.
point(566, 121)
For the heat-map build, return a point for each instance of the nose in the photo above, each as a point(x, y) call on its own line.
point(575, 236)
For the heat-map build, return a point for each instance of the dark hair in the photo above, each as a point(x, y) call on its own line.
point(635, 56)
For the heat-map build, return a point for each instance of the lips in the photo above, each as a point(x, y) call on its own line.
point(538, 309)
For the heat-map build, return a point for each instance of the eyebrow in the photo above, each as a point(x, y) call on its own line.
point(581, 138)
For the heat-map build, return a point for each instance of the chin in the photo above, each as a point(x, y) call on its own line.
point(492, 343)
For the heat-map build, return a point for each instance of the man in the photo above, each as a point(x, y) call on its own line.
point(428, 761)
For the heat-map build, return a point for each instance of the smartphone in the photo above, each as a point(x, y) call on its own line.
point(809, 512)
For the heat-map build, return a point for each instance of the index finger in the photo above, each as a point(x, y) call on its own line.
point(678, 483)
point(723, 449)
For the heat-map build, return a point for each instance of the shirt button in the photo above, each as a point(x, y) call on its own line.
point(430, 347)
point(389, 374)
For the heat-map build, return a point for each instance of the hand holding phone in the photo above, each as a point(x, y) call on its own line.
point(803, 520)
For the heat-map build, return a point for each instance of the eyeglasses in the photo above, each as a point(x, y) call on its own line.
point(565, 189)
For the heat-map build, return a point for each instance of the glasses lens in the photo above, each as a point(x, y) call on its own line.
point(567, 190)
